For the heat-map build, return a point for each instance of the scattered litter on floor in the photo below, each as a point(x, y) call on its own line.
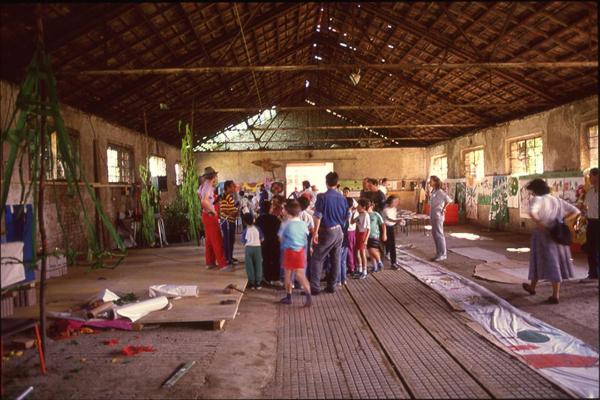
point(511, 326)
point(179, 373)
point(126, 299)
point(104, 295)
point(468, 236)
point(405, 246)
point(111, 342)
point(135, 311)
point(518, 249)
point(133, 350)
point(25, 393)
point(227, 301)
point(478, 253)
point(174, 291)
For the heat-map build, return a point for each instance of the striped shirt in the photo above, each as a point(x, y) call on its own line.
point(227, 209)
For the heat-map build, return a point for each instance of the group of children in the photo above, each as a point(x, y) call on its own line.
point(280, 240)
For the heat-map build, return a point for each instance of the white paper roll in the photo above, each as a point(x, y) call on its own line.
point(173, 290)
point(135, 311)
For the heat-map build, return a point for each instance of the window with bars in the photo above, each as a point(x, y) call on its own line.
point(592, 136)
point(178, 174)
point(526, 156)
point(439, 167)
point(474, 164)
point(55, 168)
point(120, 164)
point(157, 166)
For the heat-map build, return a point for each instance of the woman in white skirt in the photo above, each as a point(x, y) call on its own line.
point(548, 259)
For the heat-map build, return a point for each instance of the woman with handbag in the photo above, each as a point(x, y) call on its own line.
point(550, 256)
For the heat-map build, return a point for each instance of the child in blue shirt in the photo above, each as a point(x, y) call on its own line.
point(252, 237)
point(293, 236)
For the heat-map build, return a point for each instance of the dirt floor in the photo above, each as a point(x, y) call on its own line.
point(244, 359)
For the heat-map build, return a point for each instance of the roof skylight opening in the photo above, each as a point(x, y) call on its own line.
point(345, 34)
point(389, 27)
point(314, 45)
point(390, 74)
point(333, 29)
point(306, 83)
point(318, 57)
point(343, 44)
point(383, 60)
point(359, 6)
point(328, 110)
point(390, 46)
point(321, 8)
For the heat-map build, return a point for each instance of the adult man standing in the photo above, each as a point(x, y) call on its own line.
point(331, 212)
point(228, 213)
point(592, 235)
point(309, 194)
point(375, 195)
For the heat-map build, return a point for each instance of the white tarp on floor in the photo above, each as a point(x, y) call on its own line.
point(558, 356)
point(478, 253)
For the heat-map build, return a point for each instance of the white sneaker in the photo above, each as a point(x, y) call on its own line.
point(440, 258)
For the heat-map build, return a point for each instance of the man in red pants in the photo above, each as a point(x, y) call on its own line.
point(210, 219)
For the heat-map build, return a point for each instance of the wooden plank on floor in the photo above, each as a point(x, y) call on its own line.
point(179, 265)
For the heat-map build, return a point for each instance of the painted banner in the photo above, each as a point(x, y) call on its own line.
point(461, 197)
point(566, 188)
point(354, 185)
point(499, 204)
point(450, 188)
point(560, 357)
point(524, 198)
point(471, 199)
point(484, 191)
point(513, 192)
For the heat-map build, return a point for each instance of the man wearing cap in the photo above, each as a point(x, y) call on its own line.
point(213, 240)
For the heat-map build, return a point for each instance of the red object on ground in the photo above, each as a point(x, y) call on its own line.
point(133, 350)
point(560, 360)
point(111, 342)
point(451, 217)
point(519, 347)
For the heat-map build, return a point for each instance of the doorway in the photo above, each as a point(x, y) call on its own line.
point(314, 172)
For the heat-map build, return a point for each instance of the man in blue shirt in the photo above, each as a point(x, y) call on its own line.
point(331, 212)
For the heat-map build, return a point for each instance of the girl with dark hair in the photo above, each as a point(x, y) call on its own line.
point(548, 259)
point(438, 201)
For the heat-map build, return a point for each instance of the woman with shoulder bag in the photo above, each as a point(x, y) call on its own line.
point(550, 256)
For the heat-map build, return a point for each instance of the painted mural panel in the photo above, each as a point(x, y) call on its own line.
point(499, 201)
point(484, 191)
point(471, 199)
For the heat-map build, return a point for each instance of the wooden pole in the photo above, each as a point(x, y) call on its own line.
point(335, 67)
point(42, 179)
point(352, 127)
point(349, 107)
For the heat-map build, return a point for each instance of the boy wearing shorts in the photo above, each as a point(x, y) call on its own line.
point(293, 236)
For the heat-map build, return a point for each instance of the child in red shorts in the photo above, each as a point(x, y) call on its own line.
point(293, 236)
point(363, 228)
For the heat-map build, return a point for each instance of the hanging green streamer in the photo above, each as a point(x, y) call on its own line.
point(190, 183)
point(146, 199)
point(30, 108)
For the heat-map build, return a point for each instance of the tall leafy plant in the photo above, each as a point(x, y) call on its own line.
point(146, 197)
point(190, 183)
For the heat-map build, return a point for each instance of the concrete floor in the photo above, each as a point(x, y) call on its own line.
point(264, 352)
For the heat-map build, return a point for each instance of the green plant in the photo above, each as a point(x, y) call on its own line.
point(190, 183)
point(175, 218)
point(146, 199)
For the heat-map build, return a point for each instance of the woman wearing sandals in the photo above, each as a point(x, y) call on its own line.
point(548, 259)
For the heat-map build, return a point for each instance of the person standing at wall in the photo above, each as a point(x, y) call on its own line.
point(331, 210)
point(438, 202)
point(228, 213)
point(214, 254)
point(375, 195)
point(383, 186)
point(592, 234)
point(269, 225)
point(548, 259)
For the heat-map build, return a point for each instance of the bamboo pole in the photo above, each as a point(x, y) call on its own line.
point(42, 179)
point(335, 67)
point(352, 127)
point(349, 107)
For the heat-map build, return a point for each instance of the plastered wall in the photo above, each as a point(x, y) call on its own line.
point(94, 135)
